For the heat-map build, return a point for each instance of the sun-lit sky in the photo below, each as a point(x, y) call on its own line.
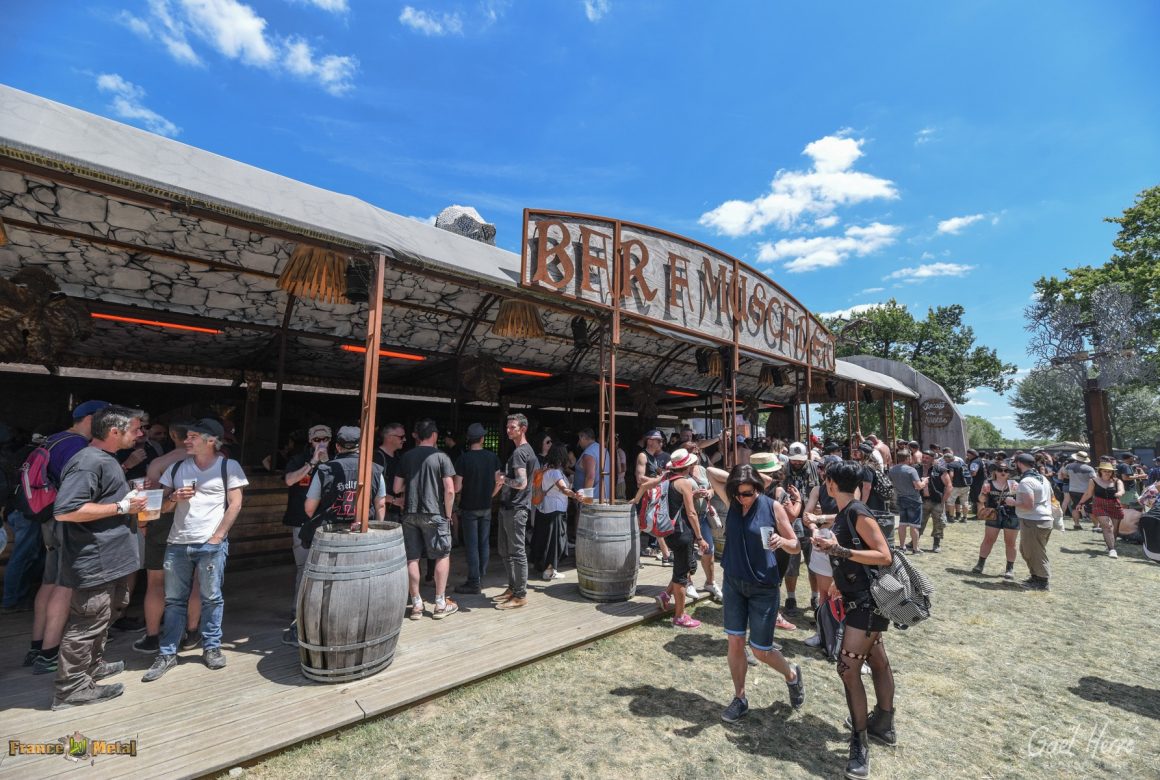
point(931, 152)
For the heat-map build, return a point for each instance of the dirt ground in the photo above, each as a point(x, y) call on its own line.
point(1000, 683)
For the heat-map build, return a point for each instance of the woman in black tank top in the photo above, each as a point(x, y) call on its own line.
point(1105, 491)
point(857, 544)
point(686, 536)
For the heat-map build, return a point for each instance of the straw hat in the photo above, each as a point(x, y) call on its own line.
point(1082, 457)
point(682, 459)
point(765, 462)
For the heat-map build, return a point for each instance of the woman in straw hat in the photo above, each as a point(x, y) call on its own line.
point(1104, 492)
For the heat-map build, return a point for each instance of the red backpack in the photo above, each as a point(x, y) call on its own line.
point(653, 513)
point(36, 491)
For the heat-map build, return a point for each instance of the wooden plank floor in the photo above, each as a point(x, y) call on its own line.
point(194, 721)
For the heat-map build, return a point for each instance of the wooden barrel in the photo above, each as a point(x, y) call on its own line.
point(607, 552)
point(351, 603)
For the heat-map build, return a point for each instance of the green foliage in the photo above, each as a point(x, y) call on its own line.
point(982, 433)
point(1135, 413)
point(1049, 404)
point(939, 345)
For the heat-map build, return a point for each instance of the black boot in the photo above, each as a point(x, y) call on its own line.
point(858, 767)
point(880, 726)
point(979, 566)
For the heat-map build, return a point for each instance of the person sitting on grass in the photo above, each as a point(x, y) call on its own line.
point(993, 504)
point(756, 527)
point(858, 544)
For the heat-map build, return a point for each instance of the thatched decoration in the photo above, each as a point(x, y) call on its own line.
point(716, 366)
point(518, 320)
point(3, 234)
point(767, 377)
point(751, 408)
point(37, 321)
point(644, 399)
point(316, 274)
point(480, 376)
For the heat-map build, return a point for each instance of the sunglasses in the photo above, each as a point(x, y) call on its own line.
point(746, 493)
point(319, 441)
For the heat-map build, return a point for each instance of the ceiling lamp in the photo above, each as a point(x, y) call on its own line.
point(154, 323)
point(525, 372)
point(518, 320)
point(382, 352)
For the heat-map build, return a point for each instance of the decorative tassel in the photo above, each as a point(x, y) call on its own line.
point(518, 320)
point(316, 274)
point(715, 365)
point(765, 378)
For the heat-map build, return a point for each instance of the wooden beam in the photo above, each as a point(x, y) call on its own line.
point(370, 396)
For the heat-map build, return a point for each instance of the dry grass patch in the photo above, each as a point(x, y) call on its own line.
point(1001, 684)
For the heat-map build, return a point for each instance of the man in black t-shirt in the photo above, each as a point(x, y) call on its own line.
point(97, 534)
point(474, 485)
point(300, 469)
point(426, 478)
point(515, 512)
point(934, 496)
point(392, 437)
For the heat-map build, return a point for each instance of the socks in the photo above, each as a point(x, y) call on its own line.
point(50, 652)
point(440, 600)
point(981, 562)
point(36, 644)
point(1010, 565)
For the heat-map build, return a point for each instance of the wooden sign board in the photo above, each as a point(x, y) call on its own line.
point(936, 413)
point(671, 281)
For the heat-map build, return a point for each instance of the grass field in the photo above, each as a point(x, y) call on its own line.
point(1000, 683)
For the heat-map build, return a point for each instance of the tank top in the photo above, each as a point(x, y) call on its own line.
point(745, 558)
point(677, 507)
point(1104, 492)
point(850, 577)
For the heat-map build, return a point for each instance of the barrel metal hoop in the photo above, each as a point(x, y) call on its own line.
point(322, 546)
point(345, 648)
point(365, 566)
point(346, 673)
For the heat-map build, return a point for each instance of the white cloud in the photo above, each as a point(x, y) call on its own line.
point(930, 271)
point(430, 23)
point(425, 220)
point(237, 32)
point(810, 254)
point(869, 290)
point(596, 9)
point(334, 6)
point(956, 225)
point(127, 104)
point(925, 136)
point(851, 311)
point(827, 184)
point(826, 223)
point(975, 402)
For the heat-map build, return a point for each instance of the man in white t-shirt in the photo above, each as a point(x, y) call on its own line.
point(205, 490)
point(1033, 508)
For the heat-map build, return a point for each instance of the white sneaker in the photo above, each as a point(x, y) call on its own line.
point(715, 592)
point(1113, 554)
point(866, 668)
point(814, 641)
point(692, 593)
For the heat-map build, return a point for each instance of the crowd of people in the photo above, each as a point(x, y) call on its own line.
point(831, 506)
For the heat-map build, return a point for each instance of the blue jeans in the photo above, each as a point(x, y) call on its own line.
point(180, 561)
point(27, 548)
point(477, 540)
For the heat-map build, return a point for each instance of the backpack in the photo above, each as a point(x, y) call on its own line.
point(831, 622)
point(538, 491)
point(653, 514)
point(36, 490)
point(900, 592)
point(225, 482)
point(882, 486)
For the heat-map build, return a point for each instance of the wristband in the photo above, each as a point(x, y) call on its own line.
point(123, 506)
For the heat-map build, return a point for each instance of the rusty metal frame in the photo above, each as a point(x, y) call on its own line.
point(370, 396)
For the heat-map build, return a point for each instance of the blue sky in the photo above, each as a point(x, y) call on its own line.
point(934, 152)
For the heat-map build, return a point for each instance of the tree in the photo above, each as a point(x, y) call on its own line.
point(939, 345)
point(982, 433)
point(1049, 404)
point(1135, 413)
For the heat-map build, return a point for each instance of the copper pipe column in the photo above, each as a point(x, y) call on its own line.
point(370, 396)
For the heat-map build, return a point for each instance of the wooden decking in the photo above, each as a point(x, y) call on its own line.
point(194, 721)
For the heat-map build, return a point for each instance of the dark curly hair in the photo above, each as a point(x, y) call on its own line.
point(743, 475)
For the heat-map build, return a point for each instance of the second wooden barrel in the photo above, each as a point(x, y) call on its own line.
point(351, 603)
point(607, 552)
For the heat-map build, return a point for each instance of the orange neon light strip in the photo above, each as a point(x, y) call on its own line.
point(683, 394)
point(526, 372)
point(155, 323)
point(620, 385)
point(382, 352)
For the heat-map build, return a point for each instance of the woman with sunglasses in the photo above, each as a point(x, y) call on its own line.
point(857, 544)
point(1000, 515)
point(1104, 491)
point(756, 527)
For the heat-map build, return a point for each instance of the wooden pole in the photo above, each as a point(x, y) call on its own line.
point(281, 376)
point(370, 396)
point(610, 451)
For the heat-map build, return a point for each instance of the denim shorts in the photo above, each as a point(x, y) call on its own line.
point(748, 604)
point(707, 530)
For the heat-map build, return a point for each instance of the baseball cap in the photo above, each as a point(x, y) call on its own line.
point(348, 435)
point(765, 462)
point(208, 426)
point(318, 429)
point(476, 431)
point(866, 448)
point(797, 452)
point(833, 447)
point(88, 407)
point(654, 434)
point(1025, 458)
point(912, 444)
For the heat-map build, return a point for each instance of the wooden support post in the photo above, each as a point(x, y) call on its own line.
point(370, 396)
point(250, 415)
point(281, 375)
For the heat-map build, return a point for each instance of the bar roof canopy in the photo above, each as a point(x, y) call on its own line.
point(135, 225)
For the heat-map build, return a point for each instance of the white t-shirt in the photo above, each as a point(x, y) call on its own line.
point(195, 520)
point(554, 498)
point(1040, 512)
